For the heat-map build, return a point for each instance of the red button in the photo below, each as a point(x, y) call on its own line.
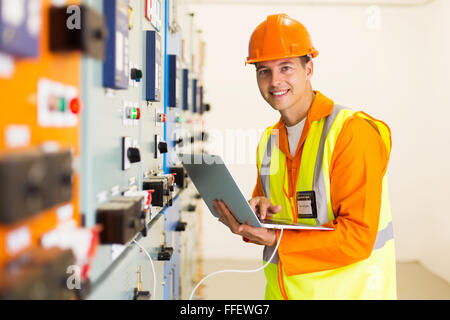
point(75, 105)
point(138, 116)
point(162, 118)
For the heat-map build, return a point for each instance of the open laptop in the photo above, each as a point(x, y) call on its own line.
point(213, 180)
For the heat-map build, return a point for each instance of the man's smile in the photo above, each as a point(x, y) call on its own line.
point(279, 93)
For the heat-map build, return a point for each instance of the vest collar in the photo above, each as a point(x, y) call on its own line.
point(321, 107)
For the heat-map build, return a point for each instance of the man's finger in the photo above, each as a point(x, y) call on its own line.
point(275, 209)
point(263, 206)
point(233, 223)
point(219, 213)
point(252, 203)
point(215, 209)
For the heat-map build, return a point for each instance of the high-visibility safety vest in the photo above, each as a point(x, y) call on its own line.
point(372, 278)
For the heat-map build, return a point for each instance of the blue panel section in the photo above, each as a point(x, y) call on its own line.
point(174, 112)
point(166, 73)
point(18, 36)
point(174, 90)
point(174, 82)
point(116, 64)
point(194, 95)
point(186, 89)
point(154, 68)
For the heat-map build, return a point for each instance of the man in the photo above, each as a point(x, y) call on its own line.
point(321, 164)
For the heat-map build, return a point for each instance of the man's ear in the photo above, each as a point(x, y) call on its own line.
point(309, 67)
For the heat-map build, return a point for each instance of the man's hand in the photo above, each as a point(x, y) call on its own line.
point(262, 236)
point(262, 206)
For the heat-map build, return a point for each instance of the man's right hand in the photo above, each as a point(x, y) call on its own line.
point(262, 206)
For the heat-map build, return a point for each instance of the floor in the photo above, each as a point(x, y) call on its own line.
point(414, 282)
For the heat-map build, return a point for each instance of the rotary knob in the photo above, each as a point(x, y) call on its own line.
point(134, 155)
point(162, 147)
point(136, 74)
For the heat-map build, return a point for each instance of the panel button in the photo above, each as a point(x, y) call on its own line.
point(162, 147)
point(134, 155)
point(136, 74)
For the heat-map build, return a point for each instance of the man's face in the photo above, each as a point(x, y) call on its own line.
point(283, 82)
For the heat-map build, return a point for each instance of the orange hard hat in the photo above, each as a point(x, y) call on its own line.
point(280, 37)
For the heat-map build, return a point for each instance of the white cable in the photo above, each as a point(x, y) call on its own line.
point(153, 267)
point(238, 271)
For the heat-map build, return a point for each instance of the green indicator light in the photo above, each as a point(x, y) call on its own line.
point(62, 104)
point(134, 114)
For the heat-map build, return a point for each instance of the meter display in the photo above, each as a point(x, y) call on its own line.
point(154, 68)
point(116, 64)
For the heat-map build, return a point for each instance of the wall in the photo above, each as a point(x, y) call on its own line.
point(398, 73)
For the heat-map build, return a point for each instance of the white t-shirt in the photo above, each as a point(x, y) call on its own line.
point(294, 134)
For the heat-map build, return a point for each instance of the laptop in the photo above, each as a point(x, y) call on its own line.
point(213, 181)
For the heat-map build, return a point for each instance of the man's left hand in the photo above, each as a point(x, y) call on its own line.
point(261, 236)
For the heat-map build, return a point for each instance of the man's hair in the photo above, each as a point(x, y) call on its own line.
point(305, 59)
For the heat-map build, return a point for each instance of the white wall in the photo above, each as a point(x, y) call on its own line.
point(399, 74)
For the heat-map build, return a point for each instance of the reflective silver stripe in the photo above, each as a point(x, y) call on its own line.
point(319, 180)
point(268, 251)
point(265, 166)
point(383, 236)
point(265, 182)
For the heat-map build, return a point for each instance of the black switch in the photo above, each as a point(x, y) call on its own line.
point(178, 142)
point(38, 274)
point(141, 295)
point(118, 220)
point(191, 208)
point(165, 253)
point(161, 195)
point(136, 74)
point(180, 176)
point(89, 37)
point(181, 226)
point(58, 180)
point(134, 155)
point(22, 185)
point(162, 147)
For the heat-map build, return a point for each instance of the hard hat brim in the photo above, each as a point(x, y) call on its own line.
point(314, 53)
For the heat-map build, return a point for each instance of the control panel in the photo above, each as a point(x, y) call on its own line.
point(116, 68)
point(105, 95)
